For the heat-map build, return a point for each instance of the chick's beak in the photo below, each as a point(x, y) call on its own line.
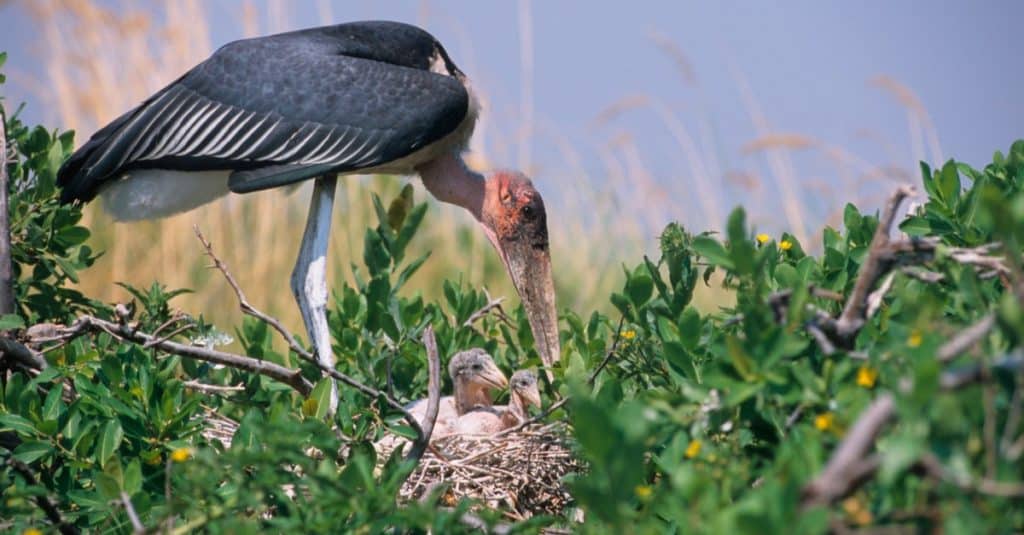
point(530, 396)
point(492, 376)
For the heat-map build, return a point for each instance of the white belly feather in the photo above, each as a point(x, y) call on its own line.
point(155, 193)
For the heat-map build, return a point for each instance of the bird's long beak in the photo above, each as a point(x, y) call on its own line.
point(493, 377)
point(529, 265)
point(529, 396)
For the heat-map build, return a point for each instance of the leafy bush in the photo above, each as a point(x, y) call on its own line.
point(691, 421)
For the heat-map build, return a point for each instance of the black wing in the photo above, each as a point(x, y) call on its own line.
point(285, 108)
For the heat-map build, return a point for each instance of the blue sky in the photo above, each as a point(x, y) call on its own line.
point(807, 65)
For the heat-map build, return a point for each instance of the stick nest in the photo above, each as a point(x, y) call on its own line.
point(519, 473)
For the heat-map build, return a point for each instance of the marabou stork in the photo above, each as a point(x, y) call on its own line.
point(490, 419)
point(362, 97)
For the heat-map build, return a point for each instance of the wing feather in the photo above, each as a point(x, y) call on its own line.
point(340, 98)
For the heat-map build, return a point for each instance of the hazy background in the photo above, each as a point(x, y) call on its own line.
point(628, 115)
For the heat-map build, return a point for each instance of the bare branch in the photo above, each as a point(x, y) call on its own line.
point(853, 315)
point(43, 501)
point(244, 304)
point(212, 389)
point(977, 373)
point(288, 376)
point(21, 354)
point(850, 464)
point(492, 304)
point(965, 339)
point(299, 350)
point(875, 298)
point(1014, 417)
point(137, 527)
point(433, 396)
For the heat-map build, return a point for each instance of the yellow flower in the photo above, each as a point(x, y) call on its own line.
point(856, 510)
point(31, 531)
point(643, 491)
point(914, 340)
point(762, 238)
point(785, 245)
point(824, 421)
point(629, 335)
point(866, 376)
point(181, 455)
point(693, 449)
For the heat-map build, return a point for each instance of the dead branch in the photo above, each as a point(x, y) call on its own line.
point(299, 350)
point(965, 339)
point(433, 396)
point(244, 304)
point(43, 501)
point(875, 298)
point(129, 509)
point(288, 376)
point(850, 464)
point(979, 372)
point(21, 354)
point(212, 389)
point(875, 264)
point(492, 304)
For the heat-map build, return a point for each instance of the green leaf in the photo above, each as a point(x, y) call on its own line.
point(110, 440)
point(639, 287)
point(11, 321)
point(321, 396)
point(32, 450)
point(948, 184)
point(107, 486)
point(18, 424)
point(713, 251)
point(133, 477)
point(681, 360)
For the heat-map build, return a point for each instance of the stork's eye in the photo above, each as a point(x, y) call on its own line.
point(477, 367)
point(529, 212)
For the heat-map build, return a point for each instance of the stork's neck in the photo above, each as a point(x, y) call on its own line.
point(449, 180)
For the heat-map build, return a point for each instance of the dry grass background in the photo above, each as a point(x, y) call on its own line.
point(100, 61)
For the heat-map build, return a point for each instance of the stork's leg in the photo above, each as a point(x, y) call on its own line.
point(309, 278)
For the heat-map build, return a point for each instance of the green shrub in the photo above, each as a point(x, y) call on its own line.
point(690, 422)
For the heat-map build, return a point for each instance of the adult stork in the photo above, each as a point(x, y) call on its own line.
point(362, 97)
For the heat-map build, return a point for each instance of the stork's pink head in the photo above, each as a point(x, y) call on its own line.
point(515, 221)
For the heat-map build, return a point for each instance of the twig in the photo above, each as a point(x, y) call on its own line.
point(875, 298)
point(492, 304)
point(212, 389)
point(244, 304)
point(853, 315)
point(930, 466)
point(608, 356)
point(294, 345)
point(433, 397)
point(42, 500)
point(976, 373)
point(288, 376)
point(849, 465)
point(22, 354)
point(137, 527)
point(168, 336)
point(965, 339)
point(1014, 416)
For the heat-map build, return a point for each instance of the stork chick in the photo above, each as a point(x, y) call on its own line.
point(474, 375)
point(487, 420)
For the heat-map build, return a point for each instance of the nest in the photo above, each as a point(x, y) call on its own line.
point(518, 473)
